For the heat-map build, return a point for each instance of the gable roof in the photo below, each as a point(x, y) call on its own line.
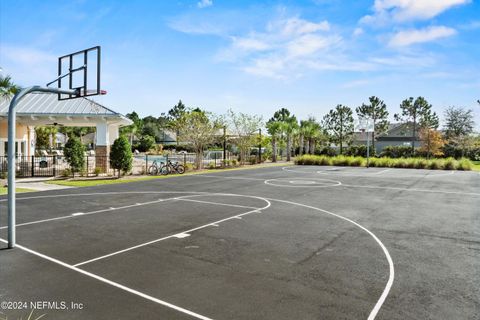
point(398, 130)
point(48, 104)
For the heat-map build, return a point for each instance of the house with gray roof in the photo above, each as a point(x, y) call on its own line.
point(398, 134)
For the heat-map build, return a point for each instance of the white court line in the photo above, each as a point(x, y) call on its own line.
point(372, 315)
point(176, 235)
point(112, 283)
point(413, 190)
point(235, 178)
point(271, 182)
point(390, 188)
point(391, 276)
point(350, 173)
point(216, 203)
point(383, 171)
point(79, 214)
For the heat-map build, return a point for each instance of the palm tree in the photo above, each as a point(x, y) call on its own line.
point(302, 133)
point(7, 87)
point(274, 129)
point(311, 132)
point(289, 126)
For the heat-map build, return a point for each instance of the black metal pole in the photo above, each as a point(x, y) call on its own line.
point(260, 146)
point(224, 145)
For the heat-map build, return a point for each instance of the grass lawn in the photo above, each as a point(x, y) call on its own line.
point(476, 165)
point(4, 190)
point(97, 182)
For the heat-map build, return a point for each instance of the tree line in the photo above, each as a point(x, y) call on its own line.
point(290, 136)
point(287, 134)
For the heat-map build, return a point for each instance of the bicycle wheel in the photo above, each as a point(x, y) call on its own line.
point(164, 170)
point(153, 170)
point(180, 169)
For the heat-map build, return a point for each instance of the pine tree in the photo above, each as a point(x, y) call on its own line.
point(339, 125)
point(377, 112)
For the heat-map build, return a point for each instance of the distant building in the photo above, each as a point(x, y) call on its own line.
point(398, 134)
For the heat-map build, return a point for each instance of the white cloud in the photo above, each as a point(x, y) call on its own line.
point(250, 44)
point(297, 26)
point(358, 32)
point(408, 37)
point(356, 84)
point(286, 48)
point(309, 44)
point(27, 65)
point(204, 3)
point(406, 10)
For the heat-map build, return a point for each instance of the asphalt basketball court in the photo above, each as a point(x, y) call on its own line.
point(301, 242)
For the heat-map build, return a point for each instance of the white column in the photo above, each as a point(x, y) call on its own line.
point(102, 134)
point(31, 142)
point(113, 133)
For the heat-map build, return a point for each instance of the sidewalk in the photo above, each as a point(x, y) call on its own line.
point(38, 184)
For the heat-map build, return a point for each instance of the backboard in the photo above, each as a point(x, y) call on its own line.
point(364, 125)
point(79, 71)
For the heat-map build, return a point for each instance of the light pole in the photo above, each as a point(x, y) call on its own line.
point(260, 145)
point(224, 145)
point(11, 161)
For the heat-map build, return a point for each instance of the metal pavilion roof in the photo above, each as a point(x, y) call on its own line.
point(48, 104)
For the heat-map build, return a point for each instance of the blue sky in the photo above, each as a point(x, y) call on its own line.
point(254, 56)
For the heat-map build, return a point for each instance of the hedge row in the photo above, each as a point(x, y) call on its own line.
point(414, 163)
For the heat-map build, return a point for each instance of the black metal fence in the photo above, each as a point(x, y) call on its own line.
point(56, 166)
point(211, 159)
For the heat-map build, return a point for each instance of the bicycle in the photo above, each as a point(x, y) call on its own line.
point(171, 167)
point(156, 167)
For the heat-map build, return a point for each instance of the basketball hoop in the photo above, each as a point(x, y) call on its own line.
point(79, 71)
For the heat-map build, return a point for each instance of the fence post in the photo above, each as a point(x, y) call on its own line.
point(146, 163)
point(184, 160)
point(54, 166)
point(215, 159)
point(33, 166)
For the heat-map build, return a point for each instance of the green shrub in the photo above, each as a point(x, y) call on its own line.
point(421, 163)
point(400, 163)
point(121, 157)
point(395, 152)
point(436, 164)
point(464, 164)
point(340, 161)
point(305, 160)
point(145, 143)
point(234, 162)
point(418, 163)
point(372, 162)
point(358, 162)
point(66, 173)
point(326, 151)
point(74, 154)
point(359, 151)
point(211, 165)
point(325, 161)
point(450, 164)
point(189, 167)
point(97, 171)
